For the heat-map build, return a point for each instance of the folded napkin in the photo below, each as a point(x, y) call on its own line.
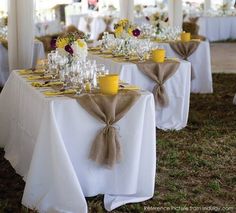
point(108, 109)
point(39, 84)
point(55, 93)
point(108, 56)
point(31, 78)
point(196, 39)
point(94, 48)
point(128, 87)
point(29, 72)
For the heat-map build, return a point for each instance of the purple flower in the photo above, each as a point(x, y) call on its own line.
point(136, 32)
point(69, 49)
point(53, 43)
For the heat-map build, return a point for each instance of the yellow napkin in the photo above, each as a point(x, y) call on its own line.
point(38, 84)
point(129, 87)
point(171, 59)
point(55, 93)
point(94, 48)
point(29, 72)
point(31, 78)
point(107, 56)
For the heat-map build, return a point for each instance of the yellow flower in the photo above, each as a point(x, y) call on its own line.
point(118, 31)
point(123, 22)
point(130, 31)
point(81, 43)
point(62, 42)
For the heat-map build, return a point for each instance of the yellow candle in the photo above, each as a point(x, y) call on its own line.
point(185, 37)
point(109, 84)
point(158, 55)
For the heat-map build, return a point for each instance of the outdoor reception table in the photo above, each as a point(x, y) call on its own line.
point(201, 64)
point(4, 66)
point(173, 116)
point(47, 141)
point(218, 27)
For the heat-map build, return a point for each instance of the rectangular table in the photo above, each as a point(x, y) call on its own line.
point(47, 141)
point(175, 115)
point(201, 63)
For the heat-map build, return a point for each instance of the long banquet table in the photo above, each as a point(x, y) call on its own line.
point(175, 115)
point(201, 63)
point(39, 53)
point(47, 141)
point(218, 27)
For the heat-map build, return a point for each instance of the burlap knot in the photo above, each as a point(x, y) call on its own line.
point(108, 21)
point(160, 73)
point(184, 50)
point(88, 23)
point(108, 109)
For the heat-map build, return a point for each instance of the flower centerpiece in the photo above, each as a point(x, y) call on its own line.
point(159, 21)
point(71, 45)
point(124, 29)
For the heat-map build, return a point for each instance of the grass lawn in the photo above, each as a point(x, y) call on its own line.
point(196, 166)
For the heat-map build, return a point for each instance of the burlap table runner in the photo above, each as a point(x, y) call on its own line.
point(160, 73)
point(108, 21)
point(108, 109)
point(4, 43)
point(184, 50)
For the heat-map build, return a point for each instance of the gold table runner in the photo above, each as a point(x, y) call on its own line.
point(184, 50)
point(108, 109)
point(160, 73)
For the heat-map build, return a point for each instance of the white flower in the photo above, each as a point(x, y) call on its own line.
point(80, 49)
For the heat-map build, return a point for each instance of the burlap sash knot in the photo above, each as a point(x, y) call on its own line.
point(88, 23)
point(108, 109)
point(184, 50)
point(160, 73)
point(4, 43)
point(108, 21)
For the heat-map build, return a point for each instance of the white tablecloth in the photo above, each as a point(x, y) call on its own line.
point(47, 141)
point(175, 115)
point(4, 66)
point(218, 28)
point(201, 63)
